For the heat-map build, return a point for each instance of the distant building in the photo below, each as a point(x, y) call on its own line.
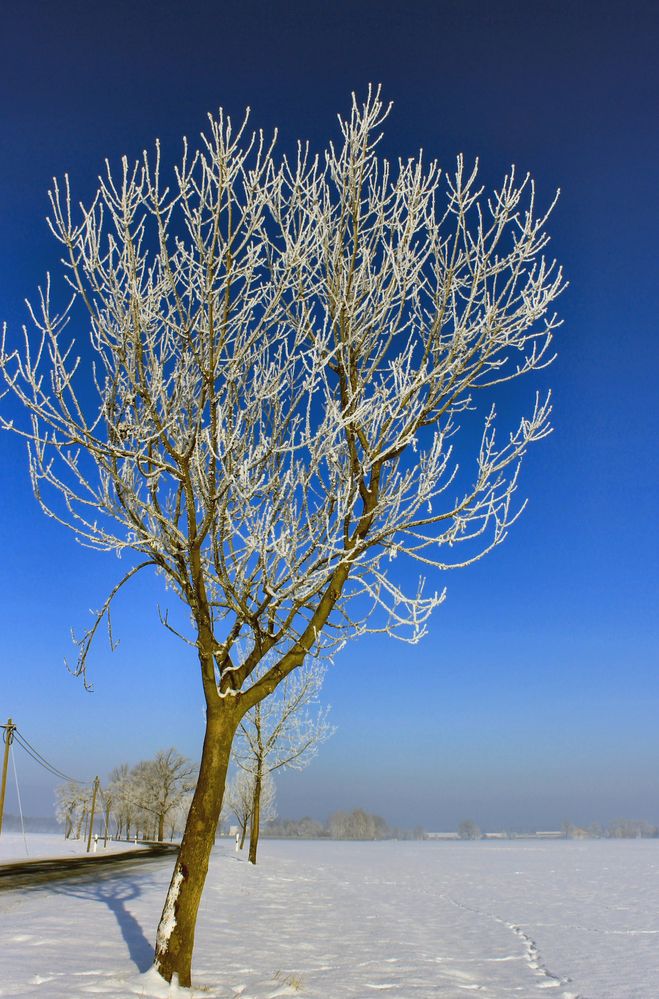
point(442, 835)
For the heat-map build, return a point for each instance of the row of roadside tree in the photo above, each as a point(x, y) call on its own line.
point(147, 801)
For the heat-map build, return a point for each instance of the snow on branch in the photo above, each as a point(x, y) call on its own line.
point(272, 392)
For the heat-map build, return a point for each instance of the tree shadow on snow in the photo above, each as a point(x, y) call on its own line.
point(115, 895)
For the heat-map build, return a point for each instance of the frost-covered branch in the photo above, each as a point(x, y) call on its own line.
point(286, 365)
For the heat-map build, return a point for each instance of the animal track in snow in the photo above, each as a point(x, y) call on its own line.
point(547, 979)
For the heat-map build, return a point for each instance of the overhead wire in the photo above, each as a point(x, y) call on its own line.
point(42, 761)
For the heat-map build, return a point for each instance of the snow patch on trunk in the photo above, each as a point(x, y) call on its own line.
point(168, 918)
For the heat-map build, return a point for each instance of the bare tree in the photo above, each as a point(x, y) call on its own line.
point(468, 830)
point(161, 785)
point(283, 350)
point(123, 800)
point(69, 799)
point(149, 794)
point(239, 799)
point(282, 732)
point(358, 824)
point(72, 807)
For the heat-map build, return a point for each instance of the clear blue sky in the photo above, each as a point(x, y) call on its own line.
point(535, 697)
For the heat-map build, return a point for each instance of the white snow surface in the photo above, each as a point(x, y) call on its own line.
point(325, 920)
point(41, 846)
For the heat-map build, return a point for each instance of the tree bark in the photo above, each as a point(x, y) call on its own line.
point(161, 827)
point(175, 938)
point(256, 819)
point(243, 831)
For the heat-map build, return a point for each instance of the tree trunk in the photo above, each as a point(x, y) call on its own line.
point(243, 831)
point(175, 938)
point(256, 819)
point(107, 824)
point(161, 827)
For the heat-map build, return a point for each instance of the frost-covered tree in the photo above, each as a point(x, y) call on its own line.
point(468, 830)
point(161, 784)
point(69, 801)
point(149, 795)
point(286, 365)
point(178, 814)
point(358, 824)
point(123, 800)
point(282, 732)
point(239, 799)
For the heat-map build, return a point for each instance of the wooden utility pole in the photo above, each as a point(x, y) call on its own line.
point(91, 820)
point(8, 737)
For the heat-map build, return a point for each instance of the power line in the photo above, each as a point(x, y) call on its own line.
point(41, 760)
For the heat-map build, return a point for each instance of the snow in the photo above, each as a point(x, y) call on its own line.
point(41, 846)
point(168, 919)
point(325, 920)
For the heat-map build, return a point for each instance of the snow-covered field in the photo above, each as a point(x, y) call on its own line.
point(324, 920)
point(37, 846)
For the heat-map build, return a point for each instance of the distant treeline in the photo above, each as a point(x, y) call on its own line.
point(618, 829)
point(361, 825)
point(357, 824)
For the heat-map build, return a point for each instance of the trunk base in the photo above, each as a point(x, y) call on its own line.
point(175, 937)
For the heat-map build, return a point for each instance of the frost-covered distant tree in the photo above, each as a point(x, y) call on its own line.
point(161, 785)
point(239, 799)
point(288, 360)
point(177, 816)
point(148, 795)
point(123, 800)
point(357, 824)
point(282, 732)
point(72, 807)
point(69, 800)
point(468, 830)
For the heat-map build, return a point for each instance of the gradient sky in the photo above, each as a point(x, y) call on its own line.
point(535, 696)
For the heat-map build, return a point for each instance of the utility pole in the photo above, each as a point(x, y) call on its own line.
point(8, 737)
point(91, 820)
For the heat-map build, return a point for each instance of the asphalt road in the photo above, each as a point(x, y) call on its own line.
point(31, 873)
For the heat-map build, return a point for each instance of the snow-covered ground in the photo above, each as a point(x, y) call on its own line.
point(38, 846)
point(350, 921)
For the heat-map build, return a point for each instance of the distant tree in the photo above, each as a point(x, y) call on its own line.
point(358, 824)
point(177, 816)
point(468, 830)
point(283, 351)
point(124, 808)
point(630, 829)
point(239, 799)
point(166, 780)
point(281, 733)
point(305, 828)
point(308, 828)
point(70, 799)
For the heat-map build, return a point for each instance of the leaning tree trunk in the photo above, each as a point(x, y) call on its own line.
point(256, 818)
point(175, 938)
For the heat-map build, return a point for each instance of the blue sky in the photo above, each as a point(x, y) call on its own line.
point(534, 698)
